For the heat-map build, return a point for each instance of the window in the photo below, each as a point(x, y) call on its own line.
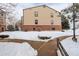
point(34, 29)
point(36, 21)
point(53, 28)
point(1, 14)
point(52, 21)
point(25, 29)
point(36, 13)
point(51, 15)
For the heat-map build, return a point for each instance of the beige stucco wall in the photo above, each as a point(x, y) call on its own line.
point(43, 18)
point(2, 19)
point(2, 22)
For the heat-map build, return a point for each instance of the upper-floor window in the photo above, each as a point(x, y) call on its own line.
point(53, 28)
point(1, 14)
point(34, 29)
point(36, 21)
point(51, 15)
point(52, 21)
point(36, 13)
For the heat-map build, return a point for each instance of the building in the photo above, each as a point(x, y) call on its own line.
point(2, 20)
point(41, 18)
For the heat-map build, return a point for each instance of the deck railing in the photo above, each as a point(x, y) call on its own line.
point(61, 48)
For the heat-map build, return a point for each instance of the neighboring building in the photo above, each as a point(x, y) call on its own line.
point(41, 18)
point(2, 20)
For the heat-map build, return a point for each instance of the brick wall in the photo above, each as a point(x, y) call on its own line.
point(41, 27)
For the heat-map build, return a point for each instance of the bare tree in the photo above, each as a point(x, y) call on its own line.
point(9, 9)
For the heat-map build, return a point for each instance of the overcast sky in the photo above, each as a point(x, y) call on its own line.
point(56, 6)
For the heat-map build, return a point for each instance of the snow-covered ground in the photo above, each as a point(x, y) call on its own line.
point(59, 53)
point(71, 47)
point(16, 49)
point(33, 35)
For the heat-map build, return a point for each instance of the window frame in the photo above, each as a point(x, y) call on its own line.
point(36, 21)
point(36, 13)
point(52, 21)
point(51, 15)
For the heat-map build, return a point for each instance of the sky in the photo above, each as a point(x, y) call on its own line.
point(56, 6)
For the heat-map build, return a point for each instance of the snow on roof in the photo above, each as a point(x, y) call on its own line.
point(16, 49)
point(71, 47)
point(59, 53)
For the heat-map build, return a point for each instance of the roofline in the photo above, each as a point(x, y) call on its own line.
point(40, 6)
point(53, 9)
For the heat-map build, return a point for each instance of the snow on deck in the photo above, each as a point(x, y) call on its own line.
point(71, 47)
point(33, 35)
point(16, 49)
point(59, 53)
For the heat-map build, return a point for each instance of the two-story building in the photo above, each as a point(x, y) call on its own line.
point(41, 18)
point(2, 20)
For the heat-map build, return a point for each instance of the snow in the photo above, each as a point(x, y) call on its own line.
point(71, 47)
point(59, 53)
point(16, 49)
point(33, 35)
point(22, 35)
